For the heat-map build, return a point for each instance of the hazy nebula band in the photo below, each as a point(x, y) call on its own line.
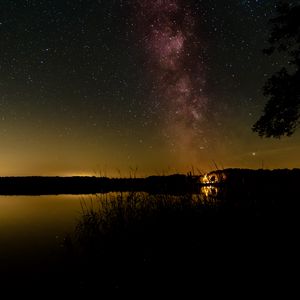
point(176, 65)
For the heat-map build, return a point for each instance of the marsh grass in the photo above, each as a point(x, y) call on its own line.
point(138, 241)
point(136, 216)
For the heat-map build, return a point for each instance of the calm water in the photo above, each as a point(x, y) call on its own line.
point(32, 229)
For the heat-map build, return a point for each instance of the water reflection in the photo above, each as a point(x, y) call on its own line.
point(210, 191)
point(32, 228)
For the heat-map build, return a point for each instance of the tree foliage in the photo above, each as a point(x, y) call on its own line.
point(281, 115)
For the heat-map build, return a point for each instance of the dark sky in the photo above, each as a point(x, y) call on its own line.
point(107, 86)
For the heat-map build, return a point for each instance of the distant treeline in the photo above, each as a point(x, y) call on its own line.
point(91, 185)
point(264, 177)
point(234, 179)
point(258, 192)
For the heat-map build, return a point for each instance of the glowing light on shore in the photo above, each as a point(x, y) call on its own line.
point(213, 178)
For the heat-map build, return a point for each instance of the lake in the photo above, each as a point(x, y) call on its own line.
point(32, 230)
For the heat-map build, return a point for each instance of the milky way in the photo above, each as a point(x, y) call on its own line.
point(177, 67)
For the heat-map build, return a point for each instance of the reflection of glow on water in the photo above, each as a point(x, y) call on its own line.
point(209, 191)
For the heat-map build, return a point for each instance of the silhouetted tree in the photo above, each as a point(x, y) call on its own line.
point(281, 114)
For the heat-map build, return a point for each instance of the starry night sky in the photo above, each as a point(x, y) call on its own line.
point(100, 87)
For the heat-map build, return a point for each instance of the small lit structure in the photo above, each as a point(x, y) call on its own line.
point(213, 178)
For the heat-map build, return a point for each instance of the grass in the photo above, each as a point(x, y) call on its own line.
point(236, 233)
point(137, 241)
point(123, 239)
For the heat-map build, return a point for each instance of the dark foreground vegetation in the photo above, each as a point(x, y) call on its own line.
point(238, 236)
point(242, 236)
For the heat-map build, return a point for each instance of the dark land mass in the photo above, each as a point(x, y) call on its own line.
point(172, 184)
point(93, 185)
